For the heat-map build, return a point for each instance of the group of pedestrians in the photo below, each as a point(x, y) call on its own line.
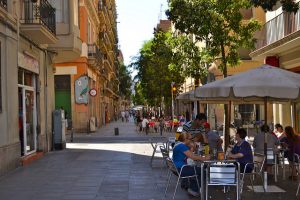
point(125, 115)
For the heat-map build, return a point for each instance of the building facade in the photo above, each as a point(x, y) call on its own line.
point(28, 28)
point(89, 83)
point(278, 45)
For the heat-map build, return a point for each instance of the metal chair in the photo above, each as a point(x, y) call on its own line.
point(173, 170)
point(272, 161)
point(258, 165)
point(155, 146)
point(165, 153)
point(297, 164)
point(225, 173)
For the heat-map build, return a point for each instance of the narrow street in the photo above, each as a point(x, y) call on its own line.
point(102, 166)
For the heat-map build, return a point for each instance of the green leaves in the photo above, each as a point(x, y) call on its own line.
point(156, 70)
point(268, 5)
point(125, 81)
point(218, 23)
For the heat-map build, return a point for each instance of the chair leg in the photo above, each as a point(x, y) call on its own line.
point(168, 183)
point(152, 157)
point(262, 181)
point(251, 180)
point(176, 187)
point(297, 189)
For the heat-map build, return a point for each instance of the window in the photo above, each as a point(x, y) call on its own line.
point(62, 10)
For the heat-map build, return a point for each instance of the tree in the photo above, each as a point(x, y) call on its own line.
point(218, 23)
point(138, 97)
point(155, 73)
point(125, 80)
point(190, 58)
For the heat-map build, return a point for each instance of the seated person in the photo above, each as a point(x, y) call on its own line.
point(259, 140)
point(199, 141)
point(181, 153)
point(278, 131)
point(213, 138)
point(242, 151)
point(192, 146)
point(293, 144)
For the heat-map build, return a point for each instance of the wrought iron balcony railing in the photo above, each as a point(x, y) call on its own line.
point(39, 12)
point(94, 52)
point(278, 28)
point(3, 4)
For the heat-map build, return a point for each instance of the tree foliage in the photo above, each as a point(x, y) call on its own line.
point(125, 81)
point(156, 70)
point(138, 97)
point(268, 5)
point(219, 23)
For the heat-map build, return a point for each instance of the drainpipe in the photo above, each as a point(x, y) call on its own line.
point(46, 97)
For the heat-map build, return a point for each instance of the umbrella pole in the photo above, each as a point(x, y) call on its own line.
point(227, 109)
point(265, 144)
point(293, 114)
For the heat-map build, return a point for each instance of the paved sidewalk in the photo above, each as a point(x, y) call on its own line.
point(102, 166)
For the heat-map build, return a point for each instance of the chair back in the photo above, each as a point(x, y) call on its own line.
point(222, 174)
point(171, 166)
point(164, 152)
point(270, 156)
point(259, 161)
point(296, 158)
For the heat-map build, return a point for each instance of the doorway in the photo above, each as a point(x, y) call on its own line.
point(27, 112)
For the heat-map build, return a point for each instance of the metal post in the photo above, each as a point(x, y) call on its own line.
point(172, 84)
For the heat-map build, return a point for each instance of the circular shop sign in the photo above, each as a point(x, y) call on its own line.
point(93, 92)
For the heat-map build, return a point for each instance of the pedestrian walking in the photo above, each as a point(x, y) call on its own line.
point(123, 115)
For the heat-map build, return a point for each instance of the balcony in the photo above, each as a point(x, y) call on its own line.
point(38, 21)
point(94, 55)
point(3, 4)
point(278, 35)
point(111, 89)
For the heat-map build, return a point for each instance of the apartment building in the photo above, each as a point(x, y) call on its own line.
point(90, 83)
point(29, 45)
point(278, 45)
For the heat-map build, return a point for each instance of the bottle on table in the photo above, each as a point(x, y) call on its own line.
point(206, 149)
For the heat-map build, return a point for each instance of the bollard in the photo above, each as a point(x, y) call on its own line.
point(72, 134)
point(265, 181)
point(116, 131)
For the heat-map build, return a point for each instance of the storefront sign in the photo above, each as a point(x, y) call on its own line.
point(81, 90)
point(93, 92)
point(28, 62)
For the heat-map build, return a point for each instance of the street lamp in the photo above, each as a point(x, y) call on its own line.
point(173, 89)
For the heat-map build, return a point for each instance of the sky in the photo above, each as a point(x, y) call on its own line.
point(136, 21)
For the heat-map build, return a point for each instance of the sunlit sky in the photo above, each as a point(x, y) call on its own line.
point(136, 21)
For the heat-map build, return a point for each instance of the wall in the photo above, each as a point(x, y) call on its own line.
point(9, 135)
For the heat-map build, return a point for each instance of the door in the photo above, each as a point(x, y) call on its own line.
point(27, 120)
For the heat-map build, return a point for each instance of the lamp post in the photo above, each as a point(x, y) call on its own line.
point(172, 92)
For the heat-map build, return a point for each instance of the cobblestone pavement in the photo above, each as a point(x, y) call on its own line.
point(102, 166)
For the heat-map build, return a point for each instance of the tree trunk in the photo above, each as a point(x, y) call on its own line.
point(226, 106)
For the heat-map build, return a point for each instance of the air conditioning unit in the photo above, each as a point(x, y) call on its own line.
point(92, 124)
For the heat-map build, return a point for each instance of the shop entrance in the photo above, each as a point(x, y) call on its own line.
point(27, 112)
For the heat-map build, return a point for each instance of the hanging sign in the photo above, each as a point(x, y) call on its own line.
point(81, 90)
point(93, 92)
